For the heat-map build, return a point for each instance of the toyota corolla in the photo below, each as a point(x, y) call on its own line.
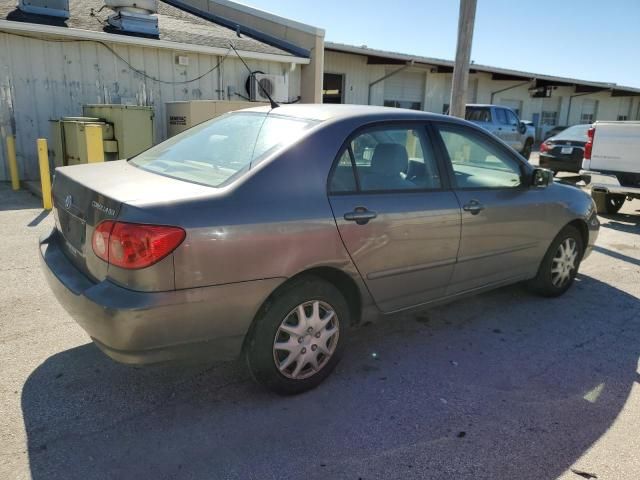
point(271, 233)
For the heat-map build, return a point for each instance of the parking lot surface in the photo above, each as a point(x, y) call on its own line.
point(500, 386)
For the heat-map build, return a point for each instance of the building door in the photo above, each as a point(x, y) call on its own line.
point(404, 90)
point(589, 111)
point(333, 88)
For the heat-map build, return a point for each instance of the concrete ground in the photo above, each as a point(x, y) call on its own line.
point(501, 386)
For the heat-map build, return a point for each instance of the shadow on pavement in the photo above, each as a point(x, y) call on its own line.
point(503, 385)
point(623, 222)
point(18, 200)
point(39, 218)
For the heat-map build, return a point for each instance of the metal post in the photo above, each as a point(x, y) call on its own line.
point(45, 178)
point(13, 162)
point(457, 105)
point(95, 144)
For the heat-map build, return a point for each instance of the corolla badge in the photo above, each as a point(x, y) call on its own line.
point(68, 201)
point(103, 209)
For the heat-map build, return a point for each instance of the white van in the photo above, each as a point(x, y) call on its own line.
point(611, 164)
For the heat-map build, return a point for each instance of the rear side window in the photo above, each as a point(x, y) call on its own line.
point(386, 159)
point(478, 114)
point(217, 151)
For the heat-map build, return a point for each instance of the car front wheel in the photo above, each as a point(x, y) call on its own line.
point(298, 336)
point(560, 264)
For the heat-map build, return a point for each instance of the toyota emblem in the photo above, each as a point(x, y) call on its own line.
point(68, 201)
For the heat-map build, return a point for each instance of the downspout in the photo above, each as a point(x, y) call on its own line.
point(508, 88)
point(580, 95)
point(383, 78)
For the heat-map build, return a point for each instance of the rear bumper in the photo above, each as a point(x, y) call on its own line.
point(559, 165)
point(607, 183)
point(150, 327)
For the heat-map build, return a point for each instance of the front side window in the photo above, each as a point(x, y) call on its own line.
point(219, 150)
point(477, 162)
point(512, 118)
point(501, 116)
point(387, 159)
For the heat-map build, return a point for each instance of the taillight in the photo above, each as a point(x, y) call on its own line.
point(591, 134)
point(546, 146)
point(134, 246)
point(100, 240)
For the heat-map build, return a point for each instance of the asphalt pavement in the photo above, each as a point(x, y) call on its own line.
point(505, 385)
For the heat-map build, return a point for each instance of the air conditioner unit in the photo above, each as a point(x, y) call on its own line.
point(275, 85)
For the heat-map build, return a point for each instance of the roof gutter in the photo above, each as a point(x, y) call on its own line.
point(383, 78)
point(37, 31)
point(252, 32)
point(508, 88)
point(580, 95)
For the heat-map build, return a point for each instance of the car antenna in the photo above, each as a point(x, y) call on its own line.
point(274, 104)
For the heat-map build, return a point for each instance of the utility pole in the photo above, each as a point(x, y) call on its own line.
point(457, 105)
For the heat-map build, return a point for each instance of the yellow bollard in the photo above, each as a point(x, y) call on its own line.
point(95, 146)
point(13, 163)
point(45, 178)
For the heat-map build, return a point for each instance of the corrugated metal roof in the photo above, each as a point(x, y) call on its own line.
point(176, 25)
point(363, 50)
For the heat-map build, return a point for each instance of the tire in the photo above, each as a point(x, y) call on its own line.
point(608, 203)
point(550, 283)
point(526, 151)
point(278, 324)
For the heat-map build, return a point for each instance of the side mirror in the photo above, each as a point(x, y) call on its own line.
point(522, 128)
point(541, 177)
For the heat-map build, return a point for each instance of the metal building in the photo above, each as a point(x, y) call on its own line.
point(363, 75)
point(50, 66)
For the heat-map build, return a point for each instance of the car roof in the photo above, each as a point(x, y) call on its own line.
point(323, 112)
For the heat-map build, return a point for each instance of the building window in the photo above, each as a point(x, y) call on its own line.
point(549, 118)
point(587, 118)
point(403, 104)
point(623, 118)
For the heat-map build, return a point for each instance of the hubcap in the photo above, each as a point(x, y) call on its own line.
point(306, 340)
point(564, 263)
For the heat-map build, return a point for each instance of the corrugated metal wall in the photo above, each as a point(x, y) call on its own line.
point(41, 80)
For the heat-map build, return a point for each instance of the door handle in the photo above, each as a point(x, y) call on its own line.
point(360, 215)
point(474, 207)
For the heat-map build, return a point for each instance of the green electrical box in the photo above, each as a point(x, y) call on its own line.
point(126, 131)
point(132, 126)
point(69, 145)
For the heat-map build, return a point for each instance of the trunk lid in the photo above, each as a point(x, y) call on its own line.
point(568, 150)
point(85, 195)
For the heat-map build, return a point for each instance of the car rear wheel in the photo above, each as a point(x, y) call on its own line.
point(607, 202)
point(560, 264)
point(297, 338)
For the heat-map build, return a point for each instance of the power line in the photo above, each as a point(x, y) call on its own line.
point(125, 61)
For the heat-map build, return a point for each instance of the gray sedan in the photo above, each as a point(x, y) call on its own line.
point(271, 233)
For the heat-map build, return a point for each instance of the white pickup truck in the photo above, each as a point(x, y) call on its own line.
point(611, 164)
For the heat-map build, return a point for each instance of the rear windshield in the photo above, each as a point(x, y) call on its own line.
point(478, 114)
point(577, 133)
point(217, 151)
